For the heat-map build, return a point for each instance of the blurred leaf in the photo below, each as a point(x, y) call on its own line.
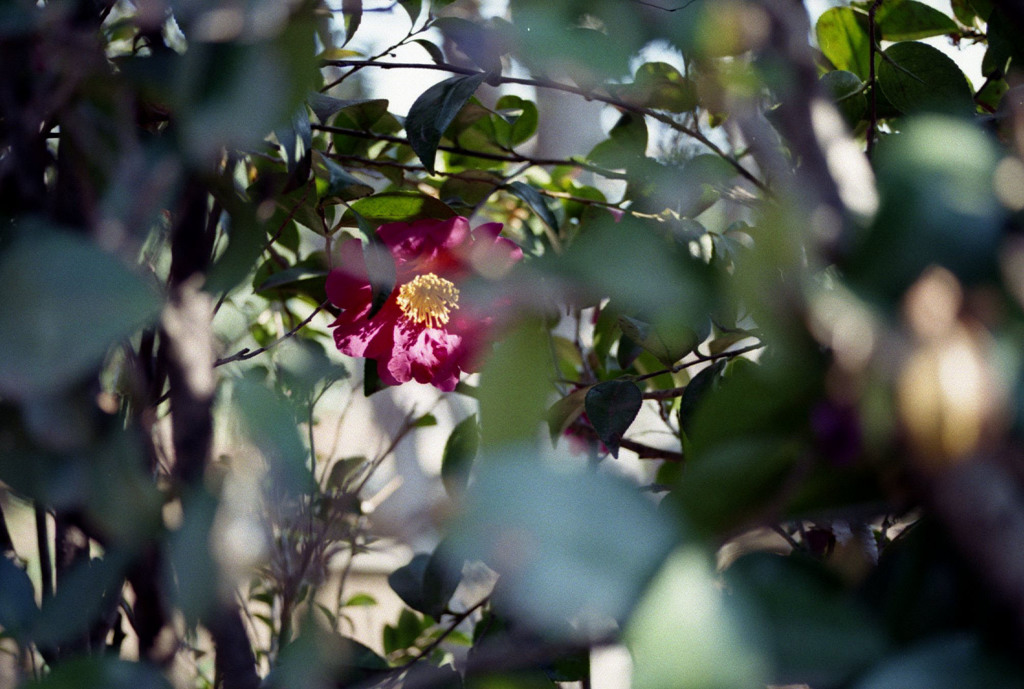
point(626, 145)
point(191, 576)
point(660, 86)
point(909, 20)
point(814, 631)
point(270, 423)
point(426, 584)
point(101, 672)
point(65, 303)
point(536, 201)
point(699, 386)
point(360, 600)
point(512, 400)
point(18, 609)
point(573, 548)
point(937, 207)
point(923, 78)
point(434, 110)
point(842, 35)
point(363, 112)
point(289, 276)
point(407, 581)
point(90, 591)
point(612, 407)
point(479, 43)
point(380, 263)
point(948, 662)
point(686, 634)
point(459, 452)
point(399, 206)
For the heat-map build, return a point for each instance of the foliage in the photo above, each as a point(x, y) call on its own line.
point(772, 322)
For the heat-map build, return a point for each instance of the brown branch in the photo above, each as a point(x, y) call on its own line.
point(700, 359)
point(643, 451)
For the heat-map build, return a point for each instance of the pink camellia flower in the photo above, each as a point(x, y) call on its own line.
point(426, 331)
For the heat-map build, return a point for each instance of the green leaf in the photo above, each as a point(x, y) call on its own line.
point(524, 124)
point(565, 411)
point(90, 592)
point(363, 112)
point(65, 302)
point(943, 662)
point(612, 407)
point(412, 8)
point(815, 632)
point(407, 581)
point(918, 77)
point(626, 145)
point(353, 13)
point(290, 276)
point(659, 85)
point(699, 386)
point(909, 20)
point(432, 50)
point(398, 206)
point(574, 548)
point(480, 43)
point(847, 91)
point(426, 583)
point(843, 37)
point(101, 672)
point(459, 452)
point(669, 341)
point(434, 110)
point(687, 634)
point(340, 184)
point(536, 201)
point(297, 141)
point(360, 600)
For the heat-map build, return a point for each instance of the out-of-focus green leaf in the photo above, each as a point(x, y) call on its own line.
point(479, 43)
point(270, 422)
point(626, 145)
point(573, 548)
point(65, 303)
point(909, 20)
point(947, 662)
point(459, 452)
point(434, 110)
point(565, 411)
point(814, 631)
point(426, 583)
point(366, 111)
point(669, 342)
point(340, 184)
point(512, 402)
point(937, 207)
point(407, 581)
point(843, 37)
point(18, 609)
point(612, 407)
point(699, 386)
point(659, 85)
point(686, 634)
point(400, 206)
point(918, 77)
point(101, 672)
point(297, 141)
point(90, 591)
point(380, 263)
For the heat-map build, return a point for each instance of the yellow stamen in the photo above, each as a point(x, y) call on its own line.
point(428, 299)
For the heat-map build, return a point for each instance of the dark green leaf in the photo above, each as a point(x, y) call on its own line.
point(524, 124)
point(843, 37)
point(612, 406)
point(440, 579)
point(434, 110)
point(432, 50)
point(909, 20)
point(17, 599)
point(407, 581)
point(659, 85)
point(945, 662)
point(534, 199)
point(698, 387)
point(289, 276)
point(847, 91)
point(918, 77)
point(459, 453)
point(669, 342)
point(101, 672)
point(65, 303)
point(297, 141)
point(480, 43)
point(412, 8)
point(340, 184)
point(363, 113)
point(90, 592)
point(565, 411)
point(353, 12)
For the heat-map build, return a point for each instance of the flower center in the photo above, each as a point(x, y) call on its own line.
point(428, 299)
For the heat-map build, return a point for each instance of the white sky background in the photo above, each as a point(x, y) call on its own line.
point(381, 29)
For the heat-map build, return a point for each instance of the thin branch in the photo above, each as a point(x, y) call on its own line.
point(429, 648)
point(247, 353)
point(512, 157)
point(642, 450)
point(701, 358)
point(664, 9)
point(43, 545)
point(873, 114)
point(568, 88)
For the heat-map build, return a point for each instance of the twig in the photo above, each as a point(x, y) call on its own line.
point(247, 353)
point(701, 358)
point(872, 79)
point(568, 88)
point(642, 450)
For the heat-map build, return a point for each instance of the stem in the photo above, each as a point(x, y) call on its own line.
point(873, 114)
point(247, 353)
